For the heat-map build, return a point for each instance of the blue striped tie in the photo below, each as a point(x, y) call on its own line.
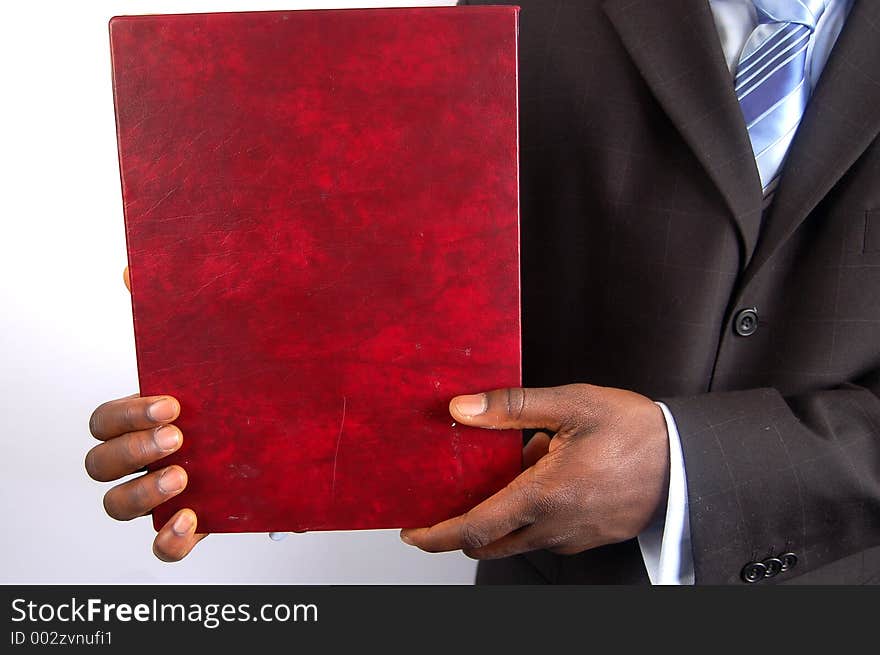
point(771, 84)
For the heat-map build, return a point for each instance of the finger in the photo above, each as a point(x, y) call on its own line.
point(131, 414)
point(131, 452)
point(514, 408)
point(520, 541)
point(137, 497)
point(126, 278)
point(506, 511)
point(535, 449)
point(177, 537)
point(538, 536)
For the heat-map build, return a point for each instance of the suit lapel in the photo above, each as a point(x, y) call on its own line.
point(841, 120)
point(675, 47)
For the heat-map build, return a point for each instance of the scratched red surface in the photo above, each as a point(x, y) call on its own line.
point(322, 222)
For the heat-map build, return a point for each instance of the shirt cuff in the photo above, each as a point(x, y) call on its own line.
point(666, 543)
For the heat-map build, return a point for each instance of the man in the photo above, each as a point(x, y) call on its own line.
point(701, 237)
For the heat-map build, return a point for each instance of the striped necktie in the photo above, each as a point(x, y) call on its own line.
point(771, 82)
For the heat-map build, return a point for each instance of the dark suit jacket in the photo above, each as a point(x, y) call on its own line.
point(644, 236)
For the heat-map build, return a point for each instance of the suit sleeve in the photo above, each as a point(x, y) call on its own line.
point(770, 474)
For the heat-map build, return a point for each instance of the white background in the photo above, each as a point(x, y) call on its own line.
point(66, 342)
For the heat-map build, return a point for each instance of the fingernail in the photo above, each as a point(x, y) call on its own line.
point(183, 524)
point(162, 410)
point(167, 438)
point(172, 480)
point(471, 405)
point(405, 538)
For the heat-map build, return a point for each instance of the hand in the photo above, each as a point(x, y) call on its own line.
point(599, 480)
point(135, 432)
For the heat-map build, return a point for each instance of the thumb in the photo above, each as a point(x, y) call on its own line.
point(127, 279)
point(513, 408)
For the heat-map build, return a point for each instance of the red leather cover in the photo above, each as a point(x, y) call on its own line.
point(321, 214)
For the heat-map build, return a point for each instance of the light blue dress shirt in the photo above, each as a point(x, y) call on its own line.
point(666, 545)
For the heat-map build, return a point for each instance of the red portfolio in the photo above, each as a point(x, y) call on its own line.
point(321, 213)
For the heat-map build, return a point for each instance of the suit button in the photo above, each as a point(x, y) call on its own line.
point(754, 571)
point(745, 323)
point(789, 561)
point(774, 566)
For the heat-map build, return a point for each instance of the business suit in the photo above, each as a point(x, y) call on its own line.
point(644, 239)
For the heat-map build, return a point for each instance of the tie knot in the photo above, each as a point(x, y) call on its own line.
point(804, 12)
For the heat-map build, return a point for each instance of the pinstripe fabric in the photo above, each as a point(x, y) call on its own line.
point(771, 83)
